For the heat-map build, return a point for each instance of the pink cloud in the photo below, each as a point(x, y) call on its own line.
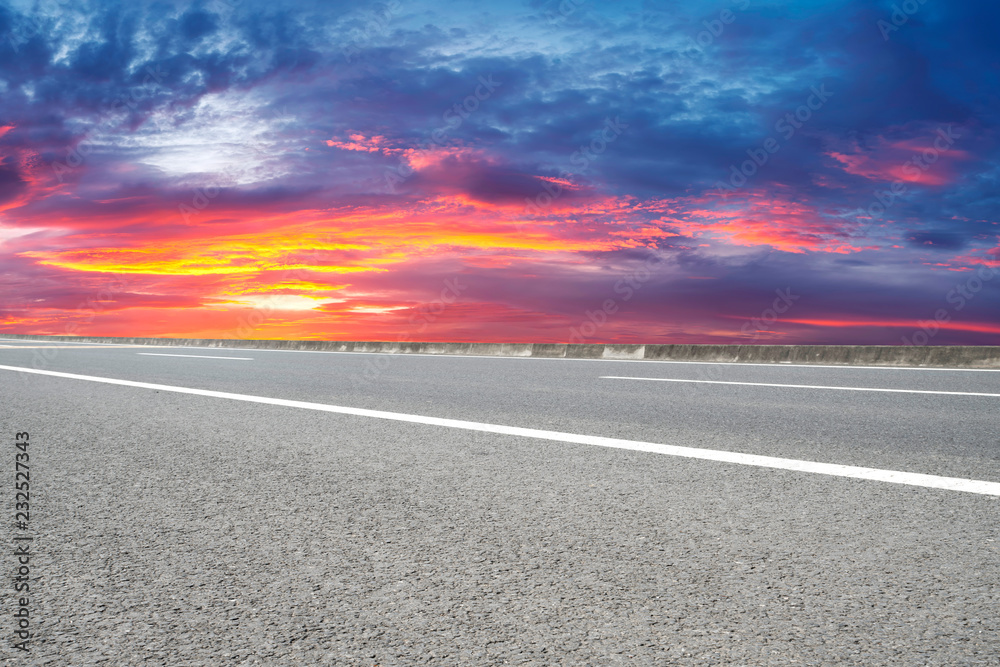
point(762, 218)
point(358, 142)
point(928, 159)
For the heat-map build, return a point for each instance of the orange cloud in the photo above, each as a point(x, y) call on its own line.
point(762, 218)
point(207, 256)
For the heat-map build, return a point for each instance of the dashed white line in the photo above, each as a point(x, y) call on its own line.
point(836, 470)
point(806, 386)
point(193, 356)
point(779, 364)
point(69, 342)
point(63, 347)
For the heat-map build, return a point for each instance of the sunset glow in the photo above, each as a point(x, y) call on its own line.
point(498, 172)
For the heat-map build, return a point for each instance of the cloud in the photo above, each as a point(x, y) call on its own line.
point(943, 240)
point(213, 155)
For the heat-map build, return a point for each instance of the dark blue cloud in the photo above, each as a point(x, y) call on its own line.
point(195, 24)
point(939, 240)
point(11, 183)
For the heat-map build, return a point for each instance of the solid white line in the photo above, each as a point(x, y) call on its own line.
point(893, 476)
point(806, 386)
point(193, 356)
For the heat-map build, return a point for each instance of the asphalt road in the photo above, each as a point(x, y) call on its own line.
point(183, 529)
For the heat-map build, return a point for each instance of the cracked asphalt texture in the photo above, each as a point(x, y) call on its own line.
point(185, 530)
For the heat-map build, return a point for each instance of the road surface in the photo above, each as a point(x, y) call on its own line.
point(265, 507)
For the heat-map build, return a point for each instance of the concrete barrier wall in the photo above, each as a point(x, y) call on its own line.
point(863, 355)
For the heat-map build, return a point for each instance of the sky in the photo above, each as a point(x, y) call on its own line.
point(658, 171)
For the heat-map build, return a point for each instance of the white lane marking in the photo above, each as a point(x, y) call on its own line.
point(836, 470)
point(193, 356)
point(779, 364)
point(69, 342)
point(806, 386)
point(62, 347)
